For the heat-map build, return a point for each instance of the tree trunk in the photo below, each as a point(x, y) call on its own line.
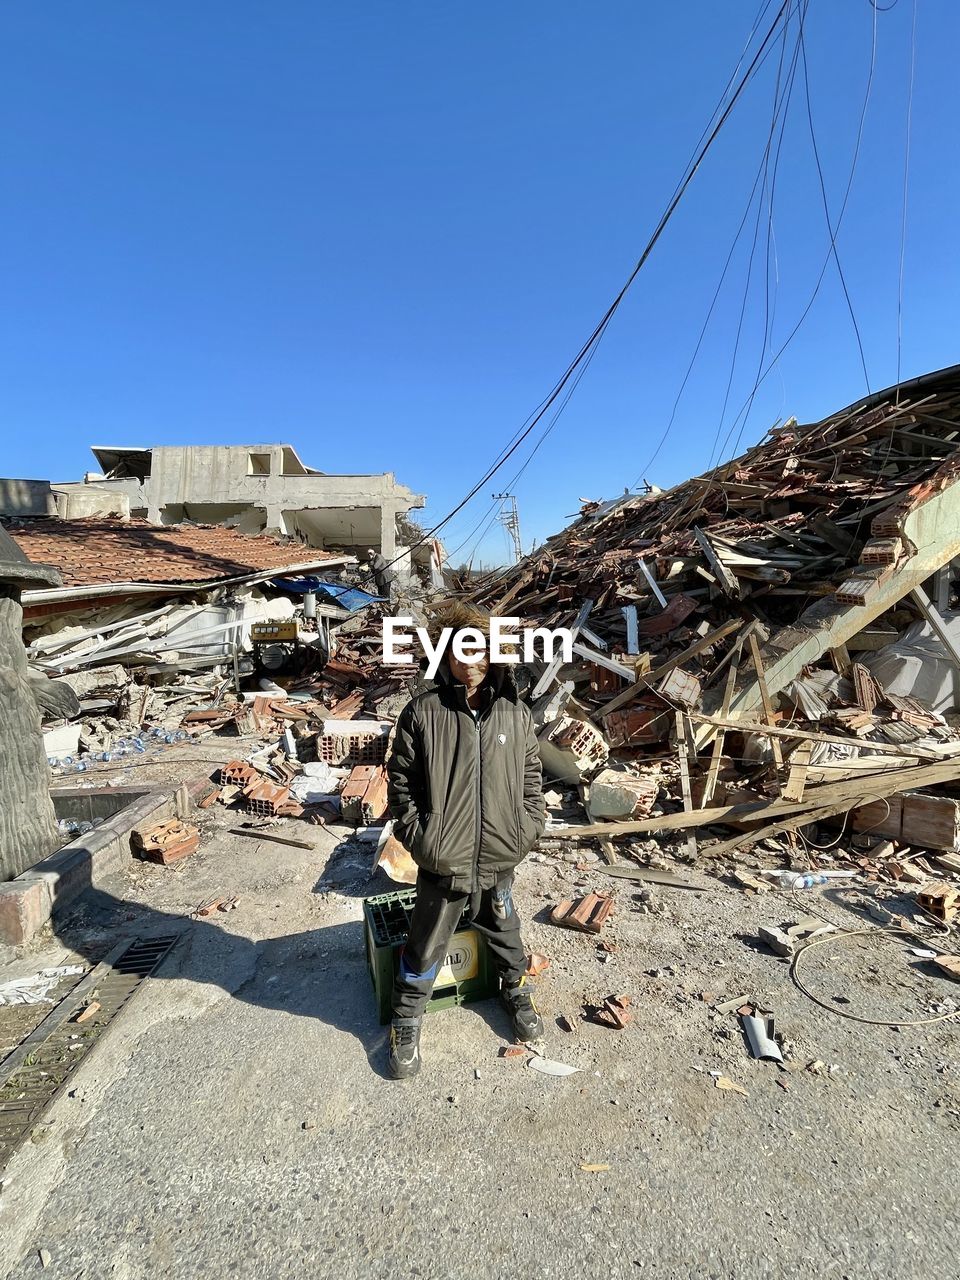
point(28, 827)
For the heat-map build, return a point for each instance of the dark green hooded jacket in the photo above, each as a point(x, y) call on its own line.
point(466, 794)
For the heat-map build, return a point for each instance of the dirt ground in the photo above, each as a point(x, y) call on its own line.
point(236, 1120)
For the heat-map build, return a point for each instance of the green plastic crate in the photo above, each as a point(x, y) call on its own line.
point(467, 973)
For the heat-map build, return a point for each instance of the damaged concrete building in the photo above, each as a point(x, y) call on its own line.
point(254, 488)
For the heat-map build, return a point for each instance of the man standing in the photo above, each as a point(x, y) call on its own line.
point(383, 576)
point(466, 796)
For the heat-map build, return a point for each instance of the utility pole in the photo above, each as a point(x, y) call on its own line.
point(509, 517)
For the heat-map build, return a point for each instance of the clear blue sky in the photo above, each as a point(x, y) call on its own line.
point(380, 230)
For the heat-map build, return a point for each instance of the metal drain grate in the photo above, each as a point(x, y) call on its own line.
point(39, 1069)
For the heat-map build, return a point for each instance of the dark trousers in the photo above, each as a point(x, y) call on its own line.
point(436, 914)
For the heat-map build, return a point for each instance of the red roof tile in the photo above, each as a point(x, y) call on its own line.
point(96, 551)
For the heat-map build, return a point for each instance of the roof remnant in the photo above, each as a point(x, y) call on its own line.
point(96, 551)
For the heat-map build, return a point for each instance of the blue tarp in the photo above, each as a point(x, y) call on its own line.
point(339, 593)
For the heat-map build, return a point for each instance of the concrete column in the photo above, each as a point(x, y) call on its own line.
point(388, 528)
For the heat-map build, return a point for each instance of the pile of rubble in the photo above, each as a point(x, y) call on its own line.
point(756, 657)
point(756, 651)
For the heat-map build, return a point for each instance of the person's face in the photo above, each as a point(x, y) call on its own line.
point(470, 673)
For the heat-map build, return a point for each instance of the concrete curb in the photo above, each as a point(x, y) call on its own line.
point(32, 898)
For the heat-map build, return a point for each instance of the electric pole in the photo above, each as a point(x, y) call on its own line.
point(509, 517)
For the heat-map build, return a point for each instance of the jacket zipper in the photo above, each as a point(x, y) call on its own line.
point(479, 774)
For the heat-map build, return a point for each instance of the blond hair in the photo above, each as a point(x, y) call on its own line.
point(459, 614)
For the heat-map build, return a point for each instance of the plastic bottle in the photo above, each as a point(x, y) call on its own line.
point(804, 879)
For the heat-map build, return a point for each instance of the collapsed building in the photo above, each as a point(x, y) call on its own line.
point(764, 648)
point(779, 629)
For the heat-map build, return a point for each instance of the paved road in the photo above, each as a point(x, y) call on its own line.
point(184, 1151)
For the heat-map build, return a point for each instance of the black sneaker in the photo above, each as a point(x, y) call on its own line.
point(527, 1023)
point(404, 1047)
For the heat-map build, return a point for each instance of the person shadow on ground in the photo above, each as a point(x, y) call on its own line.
point(319, 973)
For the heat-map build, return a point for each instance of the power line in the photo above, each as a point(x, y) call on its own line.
point(710, 310)
point(771, 198)
point(906, 180)
point(826, 262)
point(756, 231)
point(826, 207)
point(600, 328)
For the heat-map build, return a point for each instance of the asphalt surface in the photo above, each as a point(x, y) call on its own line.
point(237, 1121)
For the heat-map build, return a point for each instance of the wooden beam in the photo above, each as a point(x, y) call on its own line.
point(851, 792)
point(591, 637)
point(629, 612)
point(683, 757)
point(778, 731)
point(784, 826)
point(727, 580)
point(652, 584)
point(714, 770)
point(548, 677)
point(711, 638)
point(765, 697)
point(797, 779)
point(601, 659)
point(610, 854)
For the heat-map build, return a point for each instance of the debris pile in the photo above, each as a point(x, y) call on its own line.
point(765, 649)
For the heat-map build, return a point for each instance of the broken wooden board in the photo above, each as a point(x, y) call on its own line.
point(852, 792)
point(726, 579)
point(683, 758)
point(910, 749)
point(649, 875)
point(796, 780)
point(765, 697)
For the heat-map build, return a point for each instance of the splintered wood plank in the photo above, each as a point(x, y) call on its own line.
point(647, 682)
point(840, 659)
point(683, 756)
point(785, 825)
point(799, 763)
point(714, 770)
point(765, 697)
point(609, 852)
point(727, 580)
point(851, 792)
point(910, 749)
point(652, 584)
